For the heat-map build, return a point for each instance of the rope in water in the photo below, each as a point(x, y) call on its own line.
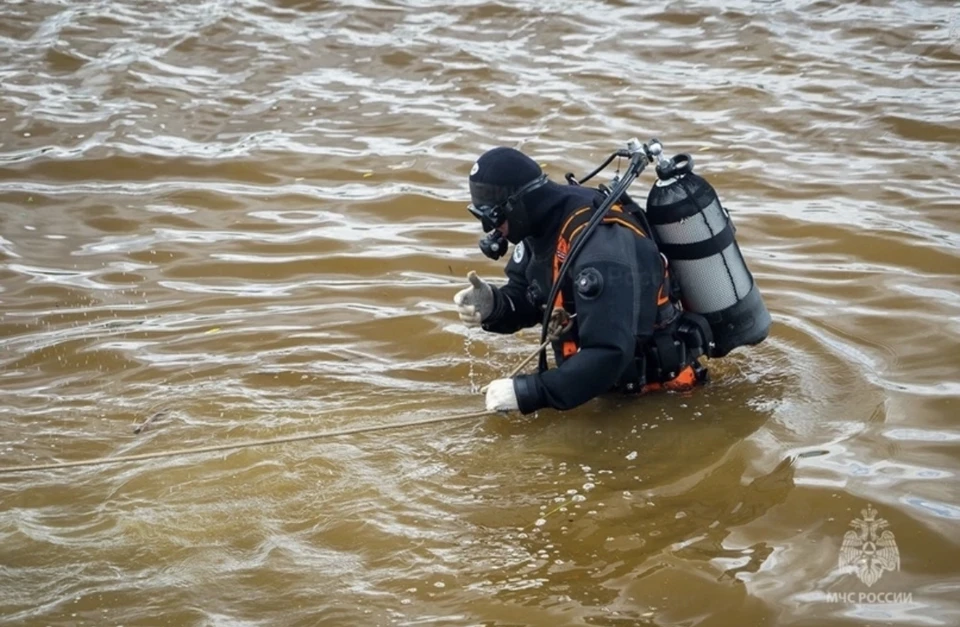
point(560, 324)
point(241, 445)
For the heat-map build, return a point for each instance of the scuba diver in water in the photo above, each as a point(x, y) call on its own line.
point(644, 294)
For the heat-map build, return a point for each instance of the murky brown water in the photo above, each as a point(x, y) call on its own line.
point(251, 214)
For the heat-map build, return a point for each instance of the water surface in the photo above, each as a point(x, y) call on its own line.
point(250, 215)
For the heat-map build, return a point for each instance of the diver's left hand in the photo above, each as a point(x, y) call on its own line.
point(501, 396)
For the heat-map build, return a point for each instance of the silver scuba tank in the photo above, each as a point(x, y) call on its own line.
point(696, 236)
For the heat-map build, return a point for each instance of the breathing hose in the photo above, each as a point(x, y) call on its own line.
point(640, 155)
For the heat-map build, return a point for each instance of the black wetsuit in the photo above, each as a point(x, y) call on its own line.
point(616, 305)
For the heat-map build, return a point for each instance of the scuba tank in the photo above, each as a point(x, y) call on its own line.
point(695, 234)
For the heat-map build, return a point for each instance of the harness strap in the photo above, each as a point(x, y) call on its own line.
point(571, 229)
point(668, 356)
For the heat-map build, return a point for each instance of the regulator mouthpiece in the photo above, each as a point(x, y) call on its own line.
point(494, 245)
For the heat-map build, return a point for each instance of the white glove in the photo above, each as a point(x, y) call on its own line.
point(501, 396)
point(474, 303)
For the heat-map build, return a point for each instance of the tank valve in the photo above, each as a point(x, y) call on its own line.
point(654, 149)
point(655, 153)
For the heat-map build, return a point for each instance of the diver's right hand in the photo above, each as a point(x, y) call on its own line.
point(474, 303)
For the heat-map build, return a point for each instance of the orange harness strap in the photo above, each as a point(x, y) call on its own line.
point(571, 228)
point(578, 221)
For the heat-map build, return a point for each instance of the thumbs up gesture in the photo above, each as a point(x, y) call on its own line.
point(474, 303)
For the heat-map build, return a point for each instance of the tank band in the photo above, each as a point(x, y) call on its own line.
point(688, 206)
point(702, 249)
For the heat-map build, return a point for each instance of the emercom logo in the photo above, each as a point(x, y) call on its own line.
point(869, 550)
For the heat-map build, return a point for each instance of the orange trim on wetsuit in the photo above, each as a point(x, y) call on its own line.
point(686, 380)
point(578, 220)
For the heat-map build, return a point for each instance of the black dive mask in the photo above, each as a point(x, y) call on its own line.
point(491, 208)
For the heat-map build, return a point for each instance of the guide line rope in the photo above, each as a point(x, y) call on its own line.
point(560, 325)
point(241, 445)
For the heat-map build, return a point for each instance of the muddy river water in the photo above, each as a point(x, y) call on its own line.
point(249, 216)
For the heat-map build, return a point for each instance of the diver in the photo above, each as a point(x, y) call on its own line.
point(628, 330)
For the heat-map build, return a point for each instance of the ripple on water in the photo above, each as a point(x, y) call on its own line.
point(249, 216)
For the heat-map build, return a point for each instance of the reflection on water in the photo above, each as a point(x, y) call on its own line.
point(248, 216)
